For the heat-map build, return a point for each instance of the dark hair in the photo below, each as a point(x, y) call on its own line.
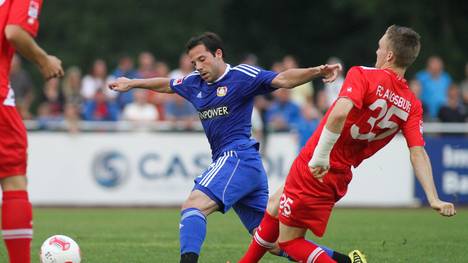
point(405, 44)
point(210, 40)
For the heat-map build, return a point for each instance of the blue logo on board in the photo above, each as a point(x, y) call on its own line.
point(110, 169)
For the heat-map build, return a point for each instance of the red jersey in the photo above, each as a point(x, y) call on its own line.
point(13, 140)
point(24, 13)
point(383, 105)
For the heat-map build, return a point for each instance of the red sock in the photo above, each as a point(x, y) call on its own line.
point(303, 251)
point(17, 225)
point(263, 239)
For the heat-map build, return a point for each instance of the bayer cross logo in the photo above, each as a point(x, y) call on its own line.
point(110, 169)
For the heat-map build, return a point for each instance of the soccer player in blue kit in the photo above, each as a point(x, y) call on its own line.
point(223, 96)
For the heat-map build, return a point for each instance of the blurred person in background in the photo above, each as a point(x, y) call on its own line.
point(100, 108)
point(162, 69)
point(146, 65)
point(300, 94)
point(434, 83)
point(71, 86)
point(224, 97)
point(257, 120)
point(416, 88)
point(19, 24)
point(283, 114)
point(178, 111)
point(159, 100)
point(71, 90)
point(465, 101)
point(185, 67)
point(277, 67)
point(125, 68)
point(464, 87)
point(22, 85)
point(96, 80)
point(261, 105)
point(53, 98)
point(289, 62)
point(453, 110)
point(333, 89)
point(250, 59)
point(71, 116)
point(50, 110)
point(257, 125)
point(307, 124)
point(46, 119)
point(174, 107)
point(140, 110)
point(321, 101)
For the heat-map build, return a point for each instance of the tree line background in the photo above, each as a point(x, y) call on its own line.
point(81, 31)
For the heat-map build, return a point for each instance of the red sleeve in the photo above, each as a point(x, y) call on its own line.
point(354, 87)
point(413, 128)
point(25, 13)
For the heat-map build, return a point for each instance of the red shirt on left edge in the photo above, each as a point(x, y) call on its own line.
point(24, 13)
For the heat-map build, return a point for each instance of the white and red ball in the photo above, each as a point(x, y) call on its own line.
point(60, 249)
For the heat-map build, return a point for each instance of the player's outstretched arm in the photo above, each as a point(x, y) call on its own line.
point(423, 170)
point(50, 66)
point(297, 76)
point(155, 84)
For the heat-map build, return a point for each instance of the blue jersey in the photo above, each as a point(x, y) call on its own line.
point(225, 106)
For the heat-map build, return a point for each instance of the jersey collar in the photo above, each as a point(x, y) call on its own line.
point(228, 68)
point(395, 75)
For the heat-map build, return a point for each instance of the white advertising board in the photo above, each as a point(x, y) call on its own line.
point(157, 169)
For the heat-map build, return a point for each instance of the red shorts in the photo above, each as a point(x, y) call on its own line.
point(307, 202)
point(13, 142)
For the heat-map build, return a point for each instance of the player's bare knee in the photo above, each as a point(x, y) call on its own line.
point(272, 207)
point(273, 202)
point(191, 202)
point(201, 202)
point(14, 183)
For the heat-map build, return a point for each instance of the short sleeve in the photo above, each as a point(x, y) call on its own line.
point(182, 86)
point(354, 87)
point(262, 83)
point(259, 80)
point(25, 13)
point(413, 128)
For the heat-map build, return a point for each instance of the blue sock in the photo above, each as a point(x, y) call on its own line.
point(327, 250)
point(192, 230)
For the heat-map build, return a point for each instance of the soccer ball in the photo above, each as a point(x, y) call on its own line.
point(60, 249)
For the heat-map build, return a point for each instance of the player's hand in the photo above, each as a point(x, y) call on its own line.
point(319, 167)
point(51, 67)
point(121, 84)
point(444, 208)
point(330, 72)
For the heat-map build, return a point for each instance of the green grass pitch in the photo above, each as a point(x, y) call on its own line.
point(151, 235)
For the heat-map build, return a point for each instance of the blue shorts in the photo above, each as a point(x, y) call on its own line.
point(237, 179)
